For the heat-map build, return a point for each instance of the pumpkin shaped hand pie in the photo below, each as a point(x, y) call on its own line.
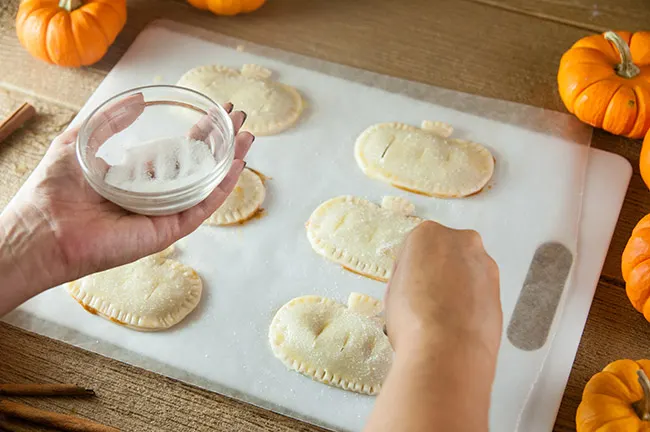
point(340, 346)
point(424, 160)
point(271, 106)
point(360, 235)
point(616, 399)
point(150, 294)
point(605, 81)
point(69, 32)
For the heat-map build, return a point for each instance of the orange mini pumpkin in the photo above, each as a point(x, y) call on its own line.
point(616, 399)
point(635, 266)
point(644, 160)
point(69, 32)
point(227, 7)
point(605, 81)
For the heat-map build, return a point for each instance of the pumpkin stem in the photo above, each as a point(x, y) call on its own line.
point(642, 407)
point(70, 5)
point(626, 68)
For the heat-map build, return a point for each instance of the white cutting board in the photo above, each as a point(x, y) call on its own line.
point(252, 270)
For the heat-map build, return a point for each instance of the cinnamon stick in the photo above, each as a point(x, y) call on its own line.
point(16, 119)
point(46, 418)
point(44, 390)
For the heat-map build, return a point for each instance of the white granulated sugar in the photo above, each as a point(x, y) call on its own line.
point(161, 165)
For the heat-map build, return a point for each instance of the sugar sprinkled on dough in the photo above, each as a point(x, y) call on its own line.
point(153, 293)
point(359, 234)
point(161, 165)
point(424, 160)
point(340, 346)
point(271, 106)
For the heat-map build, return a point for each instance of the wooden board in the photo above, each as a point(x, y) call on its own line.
point(446, 49)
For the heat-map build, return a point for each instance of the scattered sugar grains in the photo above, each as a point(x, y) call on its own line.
point(161, 165)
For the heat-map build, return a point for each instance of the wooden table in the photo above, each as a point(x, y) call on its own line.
point(506, 49)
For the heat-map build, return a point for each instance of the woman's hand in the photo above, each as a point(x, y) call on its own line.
point(444, 283)
point(57, 228)
point(443, 317)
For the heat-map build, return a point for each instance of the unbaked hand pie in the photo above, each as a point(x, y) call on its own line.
point(360, 235)
point(152, 293)
point(271, 106)
point(337, 345)
point(424, 160)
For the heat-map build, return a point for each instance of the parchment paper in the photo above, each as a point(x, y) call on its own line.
point(252, 270)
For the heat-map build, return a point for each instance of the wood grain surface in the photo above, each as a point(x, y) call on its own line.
point(506, 49)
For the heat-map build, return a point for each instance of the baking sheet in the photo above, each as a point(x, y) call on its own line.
point(250, 271)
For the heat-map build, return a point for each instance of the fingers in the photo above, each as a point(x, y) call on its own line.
point(228, 183)
point(201, 130)
point(117, 117)
point(238, 118)
point(205, 126)
point(67, 137)
point(173, 227)
point(243, 143)
point(110, 121)
point(428, 226)
point(191, 218)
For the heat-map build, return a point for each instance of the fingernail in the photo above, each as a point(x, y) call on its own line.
point(228, 106)
point(245, 117)
point(245, 163)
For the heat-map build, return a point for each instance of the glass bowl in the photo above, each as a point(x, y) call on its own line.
point(156, 150)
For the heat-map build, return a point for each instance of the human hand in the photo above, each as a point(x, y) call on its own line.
point(444, 287)
point(443, 317)
point(57, 228)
